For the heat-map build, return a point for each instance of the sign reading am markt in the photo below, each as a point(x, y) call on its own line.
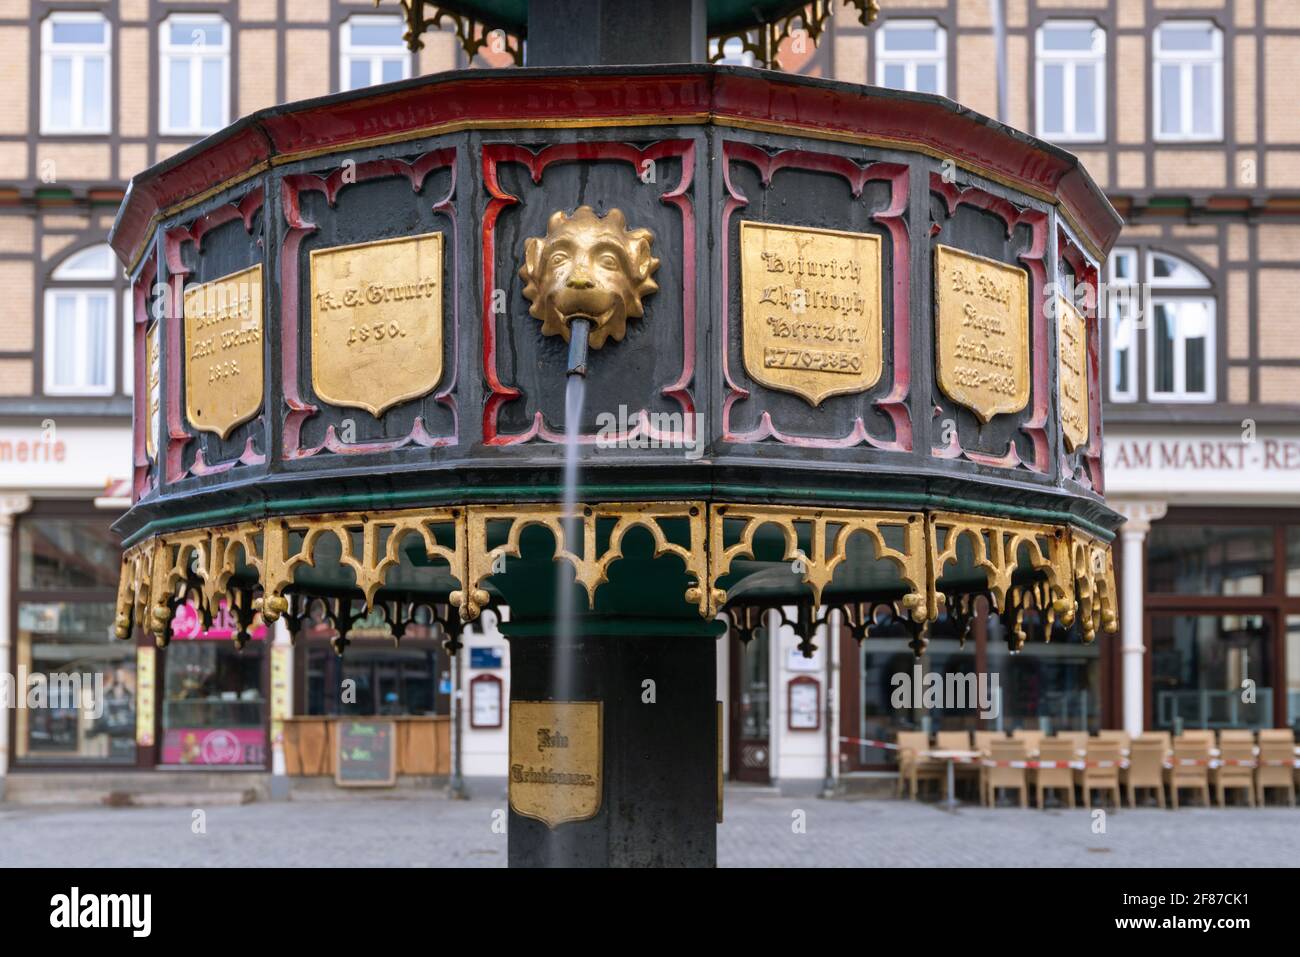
point(811, 309)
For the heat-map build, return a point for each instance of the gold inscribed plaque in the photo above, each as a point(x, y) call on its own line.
point(1072, 373)
point(376, 321)
point(811, 309)
point(153, 386)
point(555, 760)
point(982, 334)
point(223, 351)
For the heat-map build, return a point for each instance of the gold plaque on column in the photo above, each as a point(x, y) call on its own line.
point(153, 387)
point(811, 309)
point(1072, 373)
point(376, 322)
point(555, 760)
point(223, 351)
point(982, 332)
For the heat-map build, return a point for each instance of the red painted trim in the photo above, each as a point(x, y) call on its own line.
point(299, 409)
point(893, 404)
point(1035, 259)
point(177, 435)
point(142, 483)
point(718, 95)
point(499, 393)
point(1087, 274)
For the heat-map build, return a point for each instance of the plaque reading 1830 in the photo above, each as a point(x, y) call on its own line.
point(555, 760)
point(1072, 373)
point(811, 309)
point(376, 321)
point(223, 351)
point(982, 337)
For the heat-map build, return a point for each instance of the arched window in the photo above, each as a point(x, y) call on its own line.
point(80, 318)
point(193, 74)
point(912, 55)
point(1173, 301)
point(372, 51)
point(76, 73)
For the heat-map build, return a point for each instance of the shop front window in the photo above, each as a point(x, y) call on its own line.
point(1049, 687)
point(74, 682)
point(214, 705)
point(1204, 559)
point(1293, 672)
point(373, 677)
point(1211, 671)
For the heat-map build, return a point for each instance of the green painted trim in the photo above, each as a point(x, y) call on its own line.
point(529, 493)
point(620, 627)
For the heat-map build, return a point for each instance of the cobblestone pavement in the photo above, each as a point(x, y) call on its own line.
point(759, 831)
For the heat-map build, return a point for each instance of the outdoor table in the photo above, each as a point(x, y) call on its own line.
point(952, 757)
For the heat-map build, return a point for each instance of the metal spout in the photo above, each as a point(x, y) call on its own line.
point(578, 330)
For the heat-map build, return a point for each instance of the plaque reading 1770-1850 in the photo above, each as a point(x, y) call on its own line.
point(376, 321)
point(555, 760)
point(982, 334)
point(1072, 373)
point(811, 309)
point(223, 351)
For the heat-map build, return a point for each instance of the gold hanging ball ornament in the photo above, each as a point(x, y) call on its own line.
point(588, 267)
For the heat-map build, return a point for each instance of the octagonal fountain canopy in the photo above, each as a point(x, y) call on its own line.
point(842, 355)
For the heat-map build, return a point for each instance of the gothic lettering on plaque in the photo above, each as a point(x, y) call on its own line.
point(982, 332)
point(376, 322)
point(1072, 373)
point(555, 760)
point(153, 388)
point(223, 351)
point(811, 309)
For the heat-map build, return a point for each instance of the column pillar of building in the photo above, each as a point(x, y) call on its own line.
point(10, 505)
point(1139, 515)
point(281, 705)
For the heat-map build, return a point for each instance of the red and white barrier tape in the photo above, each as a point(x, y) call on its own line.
point(1051, 765)
point(870, 743)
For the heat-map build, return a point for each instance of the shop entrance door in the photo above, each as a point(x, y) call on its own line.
point(751, 710)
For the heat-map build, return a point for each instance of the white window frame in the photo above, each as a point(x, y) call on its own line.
point(910, 59)
point(1132, 285)
point(79, 52)
point(349, 51)
point(167, 52)
point(128, 340)
point(1179, 392)
point(82, 296)
point(1185, 60)
point(1070, 61)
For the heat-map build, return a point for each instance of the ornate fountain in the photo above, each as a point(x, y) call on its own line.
point(842, 357)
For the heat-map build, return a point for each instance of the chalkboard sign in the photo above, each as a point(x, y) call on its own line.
point(367, 755)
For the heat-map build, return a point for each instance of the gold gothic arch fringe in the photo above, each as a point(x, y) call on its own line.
point(1075, 572)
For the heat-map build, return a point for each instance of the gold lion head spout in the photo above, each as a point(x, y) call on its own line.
point(588, 267)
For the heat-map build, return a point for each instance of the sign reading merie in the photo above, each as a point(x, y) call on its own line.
point(555, 760)
point(811, 309)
